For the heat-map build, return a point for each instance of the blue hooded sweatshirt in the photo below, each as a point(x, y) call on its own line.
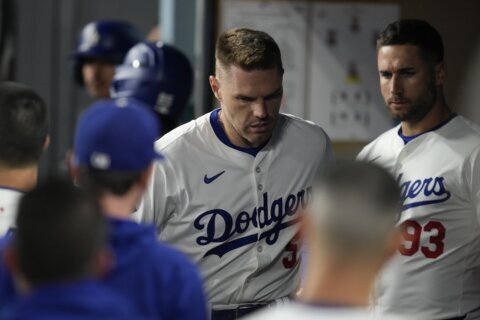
point(158, 279)
point(86, 300)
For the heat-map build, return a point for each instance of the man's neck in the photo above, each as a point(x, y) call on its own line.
point(22, 179)
point(119, 206)
point(436, 116)
point(329, 284)
point(230, 132)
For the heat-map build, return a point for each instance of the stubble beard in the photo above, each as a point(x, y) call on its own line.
point(419, 108)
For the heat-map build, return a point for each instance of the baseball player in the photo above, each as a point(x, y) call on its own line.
point(113, 157)
point(158, 75)
point(23, 137)
point(102, 45)
point(57, 250)
point(434, 155)
point(235, 179)
point(351, 233)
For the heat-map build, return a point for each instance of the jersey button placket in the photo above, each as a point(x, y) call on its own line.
point(260, 173)
point(258, 177)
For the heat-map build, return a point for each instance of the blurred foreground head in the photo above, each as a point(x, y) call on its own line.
point(354, 212)
point(23, 126)
point(60, 235)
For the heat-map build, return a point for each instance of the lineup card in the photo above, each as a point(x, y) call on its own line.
point(329, 56)
point(344, 96)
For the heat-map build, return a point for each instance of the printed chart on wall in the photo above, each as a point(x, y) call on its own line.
point(329, 55)
point(344, 96)
point(286, 22)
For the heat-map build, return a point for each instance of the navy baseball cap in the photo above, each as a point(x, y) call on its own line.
point(116, 135)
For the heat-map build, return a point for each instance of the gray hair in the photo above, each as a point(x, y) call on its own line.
point(355, 209)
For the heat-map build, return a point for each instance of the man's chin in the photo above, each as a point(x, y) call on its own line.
point(400, 116)
point(259, 140)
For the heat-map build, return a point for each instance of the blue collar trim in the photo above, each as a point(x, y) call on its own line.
point(407, 139)
point(222, 136)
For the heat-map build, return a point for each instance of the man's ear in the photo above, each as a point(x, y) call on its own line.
point(46, 142)
point(215, 85)
point(73, 169)
point(440, 74)
point(145, 176)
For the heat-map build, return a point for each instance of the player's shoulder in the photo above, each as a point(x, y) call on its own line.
point(378, 145)
point(462, 122)
point(305, 128)
point(466, 128)
point(461, 136)
point(290, 120)
point(186, 133)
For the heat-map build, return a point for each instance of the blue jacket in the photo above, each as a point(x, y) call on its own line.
point(159, 280)
point(86, 300)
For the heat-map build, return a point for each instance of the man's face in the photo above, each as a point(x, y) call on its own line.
point(250, 103)
point(407, 82)
point(97, 77)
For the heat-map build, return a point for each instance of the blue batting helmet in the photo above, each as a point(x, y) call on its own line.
point(157, 74)
point(107, 40)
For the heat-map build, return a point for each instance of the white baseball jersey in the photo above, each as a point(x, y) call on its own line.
point(436, 274)
point(9, 199)
point(303, 311)
point(235, 213)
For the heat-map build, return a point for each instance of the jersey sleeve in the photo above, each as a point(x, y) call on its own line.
point(327, 157)
point(159, 201)
point(364, 154)
point(327, 160)
point(472, 176)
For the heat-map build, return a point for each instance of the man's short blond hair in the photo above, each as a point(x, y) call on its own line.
point(248, 49)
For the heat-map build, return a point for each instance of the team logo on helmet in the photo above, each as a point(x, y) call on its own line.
point(91, 37)
point(100, 160)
